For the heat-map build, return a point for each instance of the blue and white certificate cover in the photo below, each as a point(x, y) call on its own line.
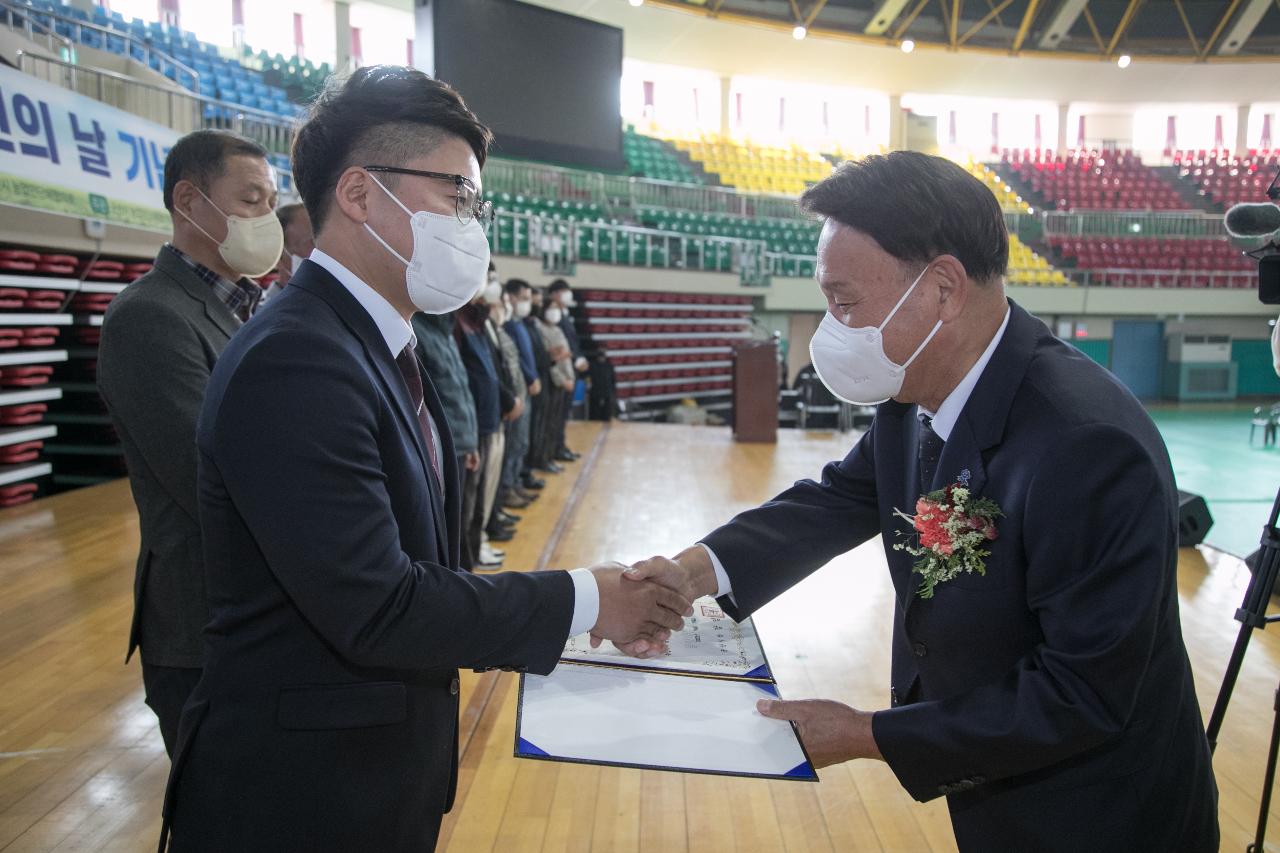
point(656, 721)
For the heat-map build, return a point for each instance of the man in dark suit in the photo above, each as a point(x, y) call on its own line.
point(562, 294)
point(326, 718)
point(160, 340)
point(1047, 696)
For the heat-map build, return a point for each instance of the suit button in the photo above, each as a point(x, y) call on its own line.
point(893, 696)
point(920, 649)
point(453, 687)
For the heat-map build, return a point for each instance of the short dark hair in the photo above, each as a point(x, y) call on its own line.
point(557, 286)
point(286, 213)
point(386, 113)
point(201, 157)
point(515, 285)
point(917, 207)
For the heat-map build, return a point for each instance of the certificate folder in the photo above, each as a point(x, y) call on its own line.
point(693, 711)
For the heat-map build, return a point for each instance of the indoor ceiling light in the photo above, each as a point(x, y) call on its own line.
point(637, 2)
point(799, 32)
point(1124, 61)
point(908, 46)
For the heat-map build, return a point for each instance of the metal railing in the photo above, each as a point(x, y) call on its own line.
point(33, 30)
point(562, 244)
point(621, 193)
point(1126, 223)
point(1164, 279)
point(180, 110)
point(103, 37)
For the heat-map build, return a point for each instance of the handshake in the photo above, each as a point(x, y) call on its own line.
point(642, 604)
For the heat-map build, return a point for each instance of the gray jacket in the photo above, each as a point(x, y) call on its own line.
point(438, 352)
point(160, 339)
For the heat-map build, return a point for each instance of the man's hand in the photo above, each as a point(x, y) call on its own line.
point(832, 733)
point(516, 411)
point(471, 461)
point(690, 574)
point(636, 613)
point(535, 388)
point(580, 364)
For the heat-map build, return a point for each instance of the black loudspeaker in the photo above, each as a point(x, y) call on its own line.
point(1194, 520)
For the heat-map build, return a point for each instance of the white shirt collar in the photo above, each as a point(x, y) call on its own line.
point(397, 333)
point(949, 412)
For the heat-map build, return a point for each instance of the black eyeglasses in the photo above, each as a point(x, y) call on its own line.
point(468, 205)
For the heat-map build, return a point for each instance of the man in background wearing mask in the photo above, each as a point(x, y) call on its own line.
point(298, 243)
point(160, 340)
point(518, 296)
point(559, 291)
point(326, 718)
point(1043, 687)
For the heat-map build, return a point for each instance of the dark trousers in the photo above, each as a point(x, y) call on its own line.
point(542, 442)
point(466, 557)
point(167, 690)
point(471, 500)
point(566, 408)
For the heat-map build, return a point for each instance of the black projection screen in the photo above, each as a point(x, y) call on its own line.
point(547, 83)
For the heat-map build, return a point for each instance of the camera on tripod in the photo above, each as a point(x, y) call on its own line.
point(1255, 227)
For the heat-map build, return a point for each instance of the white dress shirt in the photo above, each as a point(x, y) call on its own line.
point(398, 334)
point(944, 420)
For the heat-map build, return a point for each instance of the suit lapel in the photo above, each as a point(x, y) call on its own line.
point(981, 424)
point(217, 312)
point(316, 279)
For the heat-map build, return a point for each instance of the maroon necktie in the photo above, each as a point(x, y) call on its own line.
point(408, 364)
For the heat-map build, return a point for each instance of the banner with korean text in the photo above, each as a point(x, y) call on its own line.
point(65, 153)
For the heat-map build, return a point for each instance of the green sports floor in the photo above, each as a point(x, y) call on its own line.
point(1212, 456)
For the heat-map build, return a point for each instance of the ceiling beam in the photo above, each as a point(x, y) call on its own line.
point(987, 18)
point(1130, 12)
point(1246, 23)
point(1027, 18)
point(1064, 18)
point(813, 13)
point(955, 22)
point(1186, 24)
point(1093, 29)
point(1217, 31)
point(910, 19)
point(715, 9)
point(887, 11)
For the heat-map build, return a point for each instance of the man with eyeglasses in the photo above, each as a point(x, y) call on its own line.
point(326, 718)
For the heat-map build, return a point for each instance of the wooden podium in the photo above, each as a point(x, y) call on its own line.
point(755, 392)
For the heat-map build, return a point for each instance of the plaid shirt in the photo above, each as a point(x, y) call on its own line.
point(241, 297)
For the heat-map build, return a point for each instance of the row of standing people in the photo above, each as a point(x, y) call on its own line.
point(505, 366)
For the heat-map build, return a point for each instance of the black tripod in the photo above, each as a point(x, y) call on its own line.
point(1253, 614)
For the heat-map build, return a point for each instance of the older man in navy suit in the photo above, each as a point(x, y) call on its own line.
point(1040, 681)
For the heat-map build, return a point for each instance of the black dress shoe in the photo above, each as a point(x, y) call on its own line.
point(499, 534)
point(564, 456)
point(524, 495)
point(551, 467)
point(515, 500)
point(507, 518)
point(532, 483)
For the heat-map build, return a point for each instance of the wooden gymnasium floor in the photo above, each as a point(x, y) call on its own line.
point(82, 766)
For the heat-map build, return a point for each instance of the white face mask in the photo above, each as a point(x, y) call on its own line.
point(450, 260)
point(253, 244)
point(554, 315)
point(852, 362)
point(523, 308)
point(493, 293)
point(565, 298)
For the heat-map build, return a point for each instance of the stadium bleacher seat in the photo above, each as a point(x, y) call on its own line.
point(1225, 179)
point(655, 158)
point(1093, 180)
point(753, 168)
